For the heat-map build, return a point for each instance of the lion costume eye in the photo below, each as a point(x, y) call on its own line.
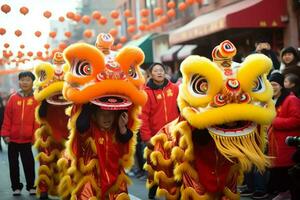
point(259, 85)
point(82, 68)
point(42, 76)
point(132, 72)
point(198, 85)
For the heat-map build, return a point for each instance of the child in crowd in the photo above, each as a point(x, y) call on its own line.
point(292, 83)
point(18, 131)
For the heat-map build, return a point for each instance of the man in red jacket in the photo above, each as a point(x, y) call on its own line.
point(18, 131)
point(161, 107)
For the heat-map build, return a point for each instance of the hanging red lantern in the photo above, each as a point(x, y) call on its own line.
point(86, 19)
point(171, 4)
point(39, 54)
point(68, 34)
point(119, 46)
point(102, 20)
point(46, 46)
point(127, 13)
point(88, 33)
point(22, 46)
point(182, 6)
point(47, 14)
point(62, 46)
point(18, 33)
point(164, 19)
point(5, 8)
point(113, 32)
point(37, 33)
point(24, 10)
point(2, 31)
point(6, 45)
point(20, 54)
point(117, 22)
point(171, 13)
point(131, 20)
point(145, 20)
point(189, 2)
point(123, 39)
point(142, 27)
point(158, 11)
point(144, 12)
point(131, 29)
point(61, 19)
point(77, 17)
point(52, 34)
point(114, 14)
point(29, 53)
point(70, 15)
point(96, 15)
point(136, 36)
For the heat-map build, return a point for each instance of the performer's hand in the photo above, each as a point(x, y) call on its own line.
point(123, 120)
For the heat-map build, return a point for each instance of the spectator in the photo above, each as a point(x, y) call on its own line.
point(161, 107)
point(18, 131)
point(264, 47)
point(286, 123)
point(292, 83)
point(290, 61)
point(1, 117)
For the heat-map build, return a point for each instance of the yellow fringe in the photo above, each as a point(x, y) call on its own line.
point(51, 157)
point(65, 186)
point(123, 196)
point(182, 168)
point(158, 159)
point(164, 193)
point(161, 176)
point(190, 193)
point(44, 169)
point(231, 195)
point(89, 166)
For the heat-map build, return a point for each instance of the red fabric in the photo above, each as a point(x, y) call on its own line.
point(160, 109)
point(212, 167)
point(19, 119)
point(286, 123)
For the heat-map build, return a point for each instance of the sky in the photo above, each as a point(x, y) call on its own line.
point(33, 21)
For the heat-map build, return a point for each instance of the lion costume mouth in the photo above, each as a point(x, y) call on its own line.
point(112, 102)
point(236, 128)
point(58, 99)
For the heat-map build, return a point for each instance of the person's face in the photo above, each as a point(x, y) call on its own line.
point(288, 84)
point(158, 74)
point(105, 119)
point(26, 83)
point(288, 58)
point(276, 89)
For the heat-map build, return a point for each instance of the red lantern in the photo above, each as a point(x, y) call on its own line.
point(22, 46)
point(37, 33)
point(119, 46)
point(18, 33)
point(52, 34)
point(127, 13)
point(164, 19)
point(102, 20)
point(77, 17)
point(131, 20)
point(5, 8)
point(182, 6)
point(47, 14)
point(87, 33)
point(24, 10)
point(117, 22)
point(20, 54)
point(123, 39)
point(96, 15)
point(144, 13)
point(62, 46)
point(142, 27)
point(114, 14)
point(145, 20)
point(70, 15)
point(29, 53)
point(171, 13)
point(39, 54)
point(86, 19)
point(136, 36)
point(131, 29)
point(171, 4)
point(68, 34)
point(61, 19)
point(113, 32)
point(47, 46)
point(6, 45)
point(158, 11)
point(189, 2)
point(2, 31)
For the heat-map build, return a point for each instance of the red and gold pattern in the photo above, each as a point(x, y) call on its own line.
point(53, 132)
point(225, 108)
point(112, 81)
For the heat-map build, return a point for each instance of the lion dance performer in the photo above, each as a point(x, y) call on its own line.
point(221, 131)
point(53, 132)
point(101, 83)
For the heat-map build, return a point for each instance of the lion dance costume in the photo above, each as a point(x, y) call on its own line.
point(53, 132)
point(225, 109)
point(108, 79)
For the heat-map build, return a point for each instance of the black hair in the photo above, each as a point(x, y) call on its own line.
point(293, 78)
point(290, 50)
point(156, 63)
point(26, 74)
